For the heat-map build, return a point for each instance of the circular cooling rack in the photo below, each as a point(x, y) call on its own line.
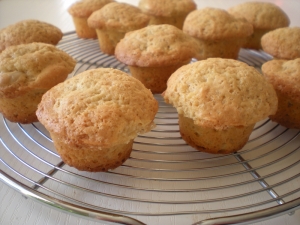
point(164, 181)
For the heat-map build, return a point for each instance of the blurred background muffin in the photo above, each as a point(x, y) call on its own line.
point(113, 21)
point(218, 33)
point(94, 116)
point(282, 43)
point(264, 16)
point(153, 53)
point(80, 12)
point(27, 71)
point(167, 11)
point(284, 75)
point(28, 31)
point(218, 102)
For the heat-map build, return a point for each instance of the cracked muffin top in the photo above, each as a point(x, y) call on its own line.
point(120, 16)
point(262, 15)
point(32, 66)
point(155, 46)
point(215, 24)
point(102, 107)
point(84, 8)
point(221, 92)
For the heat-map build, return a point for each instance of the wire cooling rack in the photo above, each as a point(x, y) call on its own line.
point(164, 181)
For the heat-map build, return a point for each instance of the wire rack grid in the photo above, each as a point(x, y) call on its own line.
point(164, 181)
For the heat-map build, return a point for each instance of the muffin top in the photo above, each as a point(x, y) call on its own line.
point(101, 107)
point(284, 75)
point(28, 31)
point(84, 8)
point(34, 65)
point(220, 93)
point(120, 16)
point(213, 24)
point(156, 46)
point(167, 8)
point(282, 43)
point(262, 15)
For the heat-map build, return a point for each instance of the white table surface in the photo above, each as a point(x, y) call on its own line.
point(15, 209)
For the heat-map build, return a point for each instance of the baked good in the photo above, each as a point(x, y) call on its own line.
point(27, 71)
point(153, 53)
point(94, 116)
point(113, 21)
point(27, 31)
point(80, 12)
point(282, 43)
point(218, 102)
point(167, 11)
point(219, 33)
point(284, 75)
point(264, 16)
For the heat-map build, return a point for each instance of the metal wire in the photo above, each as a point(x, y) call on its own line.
point(163, 176)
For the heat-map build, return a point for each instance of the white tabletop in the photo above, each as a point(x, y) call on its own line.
point(15, 209)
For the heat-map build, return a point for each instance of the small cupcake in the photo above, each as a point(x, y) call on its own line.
point(113, 21)
point(264, 16)
point(28, 31)
point(219, 34)
point(284, 75)
point(27, 71)
point(218, 102)
point(282, 43)
point(94, 116)
point(155, 52)
point(167, 11)
point(80, 12)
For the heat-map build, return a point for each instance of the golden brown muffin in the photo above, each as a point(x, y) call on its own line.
point(167, 11)
point(94, 117)
point(28, 31)
point(80, 12)
point(218, 102)
point(219, 34)
point(284, 75)
point(264, 16)
point(155, 52)
point(282, 43)
point(27, 71)
point(113, 21)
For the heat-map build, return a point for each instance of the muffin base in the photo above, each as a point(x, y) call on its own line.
point(155, 78)
point(82, 28)
point(219, 49)
point(92, 159)
point(288, 112)
point(214, 141)
point(21, 109)
point(176, 21)
point(108, 40)
point(253, 41)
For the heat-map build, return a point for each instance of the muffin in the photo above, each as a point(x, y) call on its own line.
point(264, 16)
point(155, 52)
point(113, 21)
point(28, 31)
point(94, 116)
point(218, 102)
point(282, 43)
point(167, 11)
point(27, 71)
point(219, 34)
point(80, 12)
point(284, 75)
